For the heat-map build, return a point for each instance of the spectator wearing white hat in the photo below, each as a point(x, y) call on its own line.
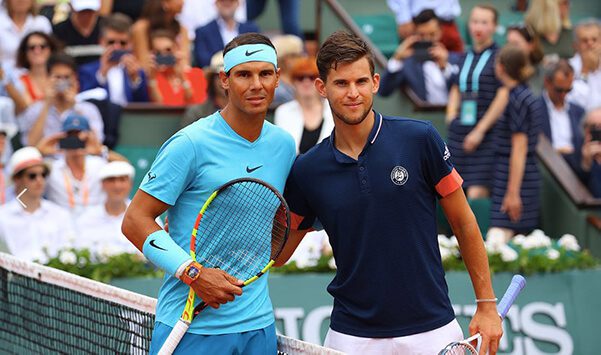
point(7, 131)
point(39, 226)
point(74, 182)
point(80, 33)
point(99, 226)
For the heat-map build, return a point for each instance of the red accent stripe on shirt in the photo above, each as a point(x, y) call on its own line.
point(449, 183)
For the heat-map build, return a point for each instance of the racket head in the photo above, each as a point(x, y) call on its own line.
point(242, 228)
point(459, 348)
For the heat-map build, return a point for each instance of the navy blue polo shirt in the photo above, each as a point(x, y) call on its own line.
point(380, 214)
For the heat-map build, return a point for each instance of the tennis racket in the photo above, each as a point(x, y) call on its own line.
point(465, 347)
point(253, 221)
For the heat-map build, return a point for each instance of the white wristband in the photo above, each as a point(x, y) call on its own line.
point(181, 268)
point(479, 300)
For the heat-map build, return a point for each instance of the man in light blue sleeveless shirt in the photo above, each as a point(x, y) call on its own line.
point(236, 142)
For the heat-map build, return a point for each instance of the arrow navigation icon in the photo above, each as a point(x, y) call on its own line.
point(21, 194)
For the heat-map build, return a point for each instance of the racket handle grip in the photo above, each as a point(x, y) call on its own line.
point(517, 284)
point(177, 333)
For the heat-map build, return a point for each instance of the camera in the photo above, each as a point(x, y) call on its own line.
point(117, 54)
point(71, 142)
point(165, 59)
point(596, 134)
point(421, 50)
point(62, 85)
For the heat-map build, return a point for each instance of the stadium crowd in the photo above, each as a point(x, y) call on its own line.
point(68, 69)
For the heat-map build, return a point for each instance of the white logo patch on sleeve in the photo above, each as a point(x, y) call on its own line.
point(447, 153)
point(399, 175)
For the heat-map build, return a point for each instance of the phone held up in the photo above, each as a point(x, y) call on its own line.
point(421, 50)
point(116, 55)
point(71, 142)
point(596, 134)
point(165, 59)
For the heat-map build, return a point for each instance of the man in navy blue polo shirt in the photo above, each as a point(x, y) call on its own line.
point(373, 186)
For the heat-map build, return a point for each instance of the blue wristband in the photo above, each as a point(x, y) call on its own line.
point(163, 252)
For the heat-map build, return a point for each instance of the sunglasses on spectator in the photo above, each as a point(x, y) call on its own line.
point(305, 77)
point(33, 47)
point(111, 42)
point(33, 176)
point(561, 90)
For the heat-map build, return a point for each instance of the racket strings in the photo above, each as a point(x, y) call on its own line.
point(254, 222)
point(459, 349)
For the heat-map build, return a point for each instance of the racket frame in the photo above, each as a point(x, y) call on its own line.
point(190, 312)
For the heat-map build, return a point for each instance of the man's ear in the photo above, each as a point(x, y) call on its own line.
point(320, 86)
point(376, 79)
point(223, 78)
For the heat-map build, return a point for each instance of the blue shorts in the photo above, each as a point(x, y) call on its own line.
point(254, 342)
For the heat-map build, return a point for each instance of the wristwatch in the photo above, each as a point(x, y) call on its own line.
point(191, 273)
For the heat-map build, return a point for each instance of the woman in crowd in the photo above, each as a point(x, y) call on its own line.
point(550, 20)
point(170, 80)
point(515, 194)
point(17, 20)
point(476, 100)
point(32, 55)
point(308, 117)
point(523, 37)
point(159, 15)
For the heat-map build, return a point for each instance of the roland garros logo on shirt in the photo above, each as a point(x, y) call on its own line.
point(399, 175)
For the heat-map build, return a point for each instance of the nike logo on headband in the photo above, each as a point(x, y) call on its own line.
point(248, 54)
point(156, 246)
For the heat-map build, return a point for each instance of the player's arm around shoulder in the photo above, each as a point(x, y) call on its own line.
point(486, 321)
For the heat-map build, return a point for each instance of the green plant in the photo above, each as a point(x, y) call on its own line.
point(535, 253)
point(103, 268)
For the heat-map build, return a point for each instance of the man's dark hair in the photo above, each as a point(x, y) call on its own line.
point(559, 66)
point(247, 38)
point(117, 22)
point(425, 16)
point(342, 47)
point(61, 59)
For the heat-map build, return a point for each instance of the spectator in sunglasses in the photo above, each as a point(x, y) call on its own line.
point(118, 70)
point(308, 117)
point(561, 121)
point(32, 55)
point(45, 224)
point(170, 80)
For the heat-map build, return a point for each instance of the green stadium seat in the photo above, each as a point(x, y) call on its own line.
point(141, 158)
point(381, 30)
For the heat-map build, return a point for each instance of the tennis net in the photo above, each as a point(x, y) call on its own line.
point(44, 310)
